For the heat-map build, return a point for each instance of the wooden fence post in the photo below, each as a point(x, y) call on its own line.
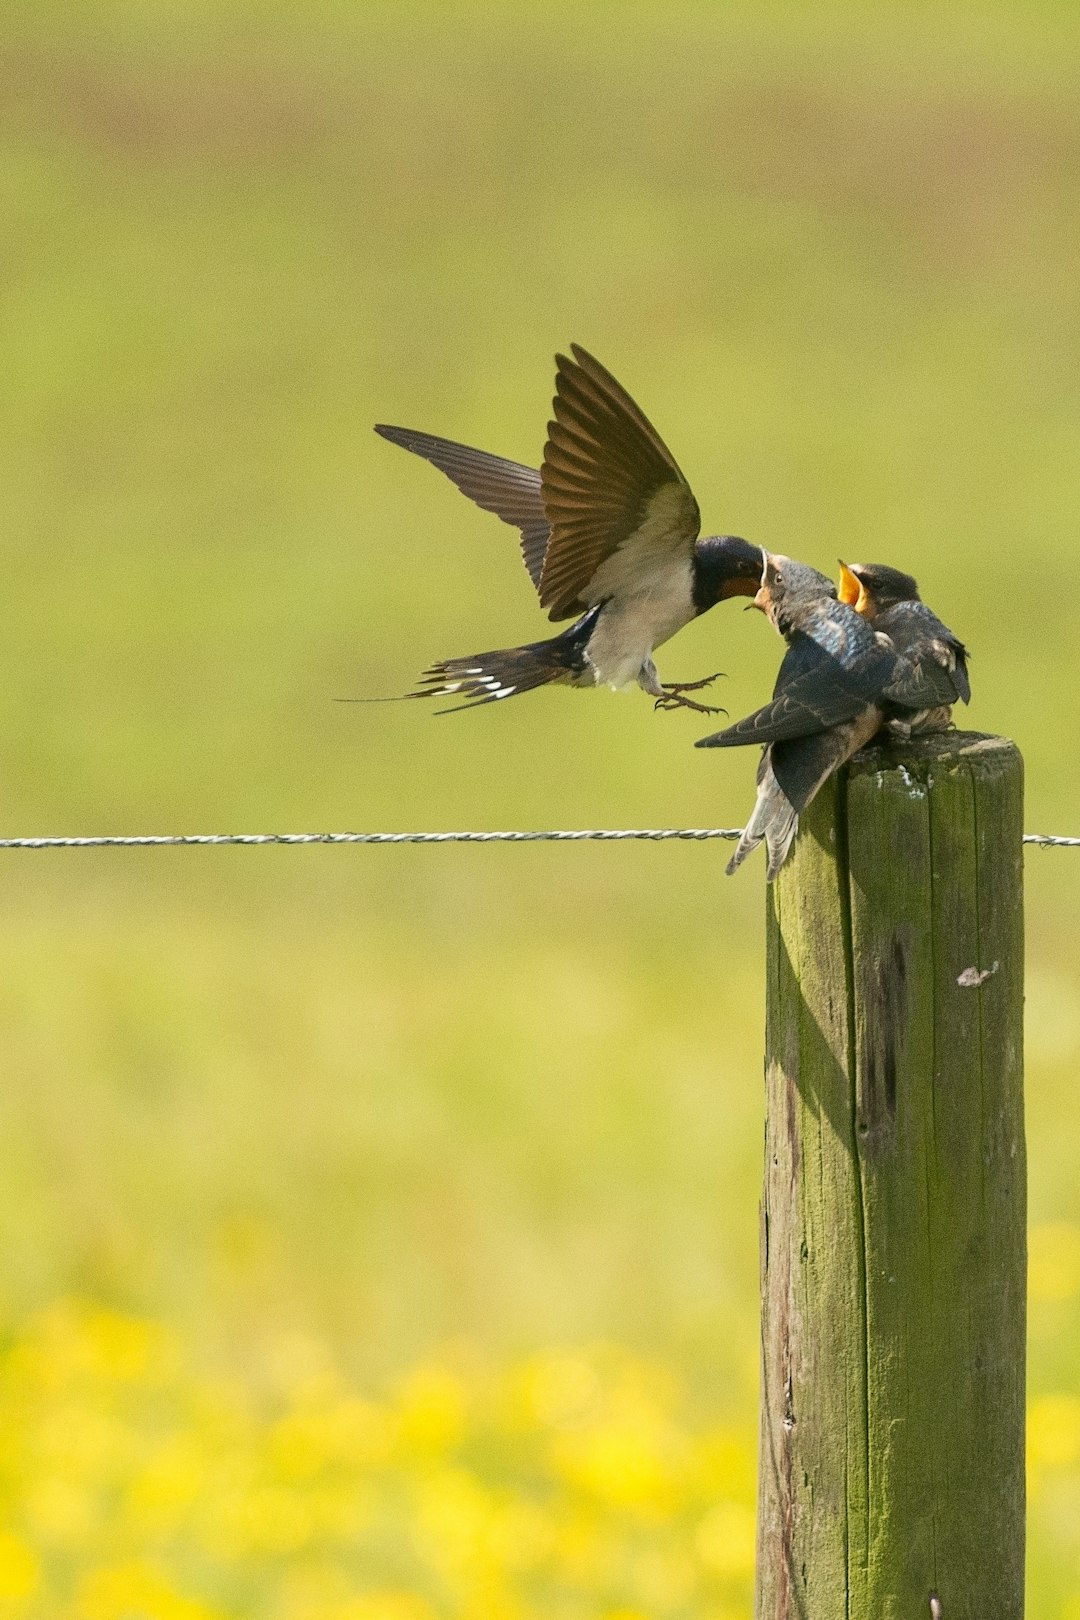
point(893, 1253)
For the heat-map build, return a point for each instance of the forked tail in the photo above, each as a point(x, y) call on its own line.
point(774, 822)
point(488, 677)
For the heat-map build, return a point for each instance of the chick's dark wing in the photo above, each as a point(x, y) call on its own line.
point(933, 663)
point(506, 488)
point(924, 684)
point(815, 690)
point(617, 503)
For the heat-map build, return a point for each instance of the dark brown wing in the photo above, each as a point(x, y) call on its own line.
point(610, 485)
point(504, 487)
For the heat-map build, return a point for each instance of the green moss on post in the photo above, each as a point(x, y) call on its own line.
point(893, 1217)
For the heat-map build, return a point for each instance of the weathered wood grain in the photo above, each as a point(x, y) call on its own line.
point(893, 1249)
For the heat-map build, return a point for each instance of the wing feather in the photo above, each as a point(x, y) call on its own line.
point(814, 692)
point(933, 666)
point(497, 485)
point(604, 466)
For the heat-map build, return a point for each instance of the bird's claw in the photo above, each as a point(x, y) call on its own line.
point(673, 695)
point(691, 686)
point(675, 700)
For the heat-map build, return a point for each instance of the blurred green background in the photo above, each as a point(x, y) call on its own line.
point(392, 1101)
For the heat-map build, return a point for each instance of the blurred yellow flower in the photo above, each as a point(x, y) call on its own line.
point(388, 1605)
point(341, 1434)
point(523, 1534)
point(664, 1577)
point(80, 1441)
point(170, 1481)
point(263, 1520)
point(19, 1568)
point(724, 1463)
point(1054, 1261)
point(585, 1551)
point(626, 1465)
point(61, 1513)
point(1054, 1431)
point(135, 1589)
point(554, 1391)
point(135, 1489)
point(361, 1433)
point(69, 1343)
point(126, 1348)
point(726, 1539)
point(455, 1519)
point(431, 1409)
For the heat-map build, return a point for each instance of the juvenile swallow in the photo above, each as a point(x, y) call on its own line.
point(829, 700)
point(889, 602)
point(609, 534)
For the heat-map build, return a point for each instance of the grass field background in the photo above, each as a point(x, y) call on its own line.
point(379, 1226)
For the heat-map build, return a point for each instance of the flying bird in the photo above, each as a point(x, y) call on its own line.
point(609, 534)
point(834, 691)
point(889, 601)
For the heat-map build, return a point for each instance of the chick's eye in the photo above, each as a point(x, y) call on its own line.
point(778, 579)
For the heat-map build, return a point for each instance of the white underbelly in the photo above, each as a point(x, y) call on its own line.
point(630, 626)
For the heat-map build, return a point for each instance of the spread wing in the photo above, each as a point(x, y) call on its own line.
point(611, 488)
point(815, 691)
point(504, 487)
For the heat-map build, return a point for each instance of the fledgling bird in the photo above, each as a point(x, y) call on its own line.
point(609, 534)
point(832, 694)
point(889, 601)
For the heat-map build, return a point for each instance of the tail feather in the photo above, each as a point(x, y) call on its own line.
point(774, 822)
point(489, 677)
point(791, 773)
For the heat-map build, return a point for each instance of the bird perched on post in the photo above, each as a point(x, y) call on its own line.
point(609, 534)
point(889, 601)
point(840, 680)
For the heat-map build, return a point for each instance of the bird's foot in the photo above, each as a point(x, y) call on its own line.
point(673, 697)
point(675, 700)
point(692, 686)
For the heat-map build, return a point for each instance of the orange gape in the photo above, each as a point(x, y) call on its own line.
point(851, 590)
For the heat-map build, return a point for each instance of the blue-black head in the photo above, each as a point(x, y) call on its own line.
point(871, 588)
point(725, 566)
point(787, 588)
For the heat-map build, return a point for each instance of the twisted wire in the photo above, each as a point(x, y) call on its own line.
point(652, 835)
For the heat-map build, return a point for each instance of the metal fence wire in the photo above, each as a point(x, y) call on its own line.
point(600, 835)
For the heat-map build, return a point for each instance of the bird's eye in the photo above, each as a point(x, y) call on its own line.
point(778, 579)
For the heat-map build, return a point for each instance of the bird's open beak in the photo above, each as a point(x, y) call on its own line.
point(761, 600)
point(851, 589)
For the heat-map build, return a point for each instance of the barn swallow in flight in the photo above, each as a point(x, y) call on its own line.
point(609, 534)
point(889, 602)
point(833, 692)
